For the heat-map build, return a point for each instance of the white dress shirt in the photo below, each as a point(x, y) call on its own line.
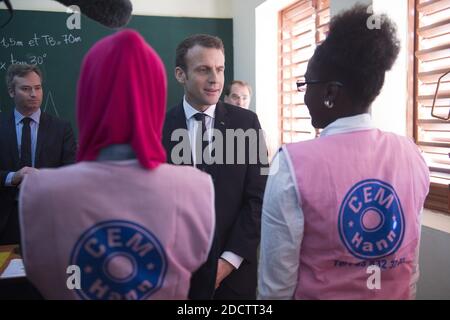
point(283, 220)
point(34, 126)
point(192, 126)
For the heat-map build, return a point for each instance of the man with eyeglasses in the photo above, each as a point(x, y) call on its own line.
point(29, 139)
point(238, 93)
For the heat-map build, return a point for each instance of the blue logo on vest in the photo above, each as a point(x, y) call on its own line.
point(371, 220)
point(119, 260)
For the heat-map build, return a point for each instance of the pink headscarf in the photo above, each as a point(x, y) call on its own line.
point(122, 98)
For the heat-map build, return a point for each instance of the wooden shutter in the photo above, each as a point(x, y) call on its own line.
point(303, 25)
point(432, 52)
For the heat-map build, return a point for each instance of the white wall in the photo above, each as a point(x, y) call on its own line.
point(244, 41)
point(176, 8)
point(434, 265)
point(389, 110)
point(338, 5)
point(184, 8)
point(266, 60)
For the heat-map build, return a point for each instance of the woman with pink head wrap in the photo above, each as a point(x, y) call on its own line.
point(124, 224)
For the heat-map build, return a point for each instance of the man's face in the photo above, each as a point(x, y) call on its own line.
point(27, 93)
point(239, 96)
point(203, 80)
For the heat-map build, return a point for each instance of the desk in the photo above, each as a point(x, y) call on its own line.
point(16, 288)
point(13, 251)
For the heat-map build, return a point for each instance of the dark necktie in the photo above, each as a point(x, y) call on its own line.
point(200, 146)
point(25, 147)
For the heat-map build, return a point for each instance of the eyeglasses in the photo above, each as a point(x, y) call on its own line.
point(303, 84)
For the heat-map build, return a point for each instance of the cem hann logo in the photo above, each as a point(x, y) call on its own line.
point(119, 260)
point(371, 220)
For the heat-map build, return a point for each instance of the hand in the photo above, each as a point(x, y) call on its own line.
point(224, 268)
point(19, 175)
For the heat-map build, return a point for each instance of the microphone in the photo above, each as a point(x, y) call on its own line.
point(10, 9)
point(110, 13)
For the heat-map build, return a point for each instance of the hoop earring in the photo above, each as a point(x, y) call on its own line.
point(328, 104)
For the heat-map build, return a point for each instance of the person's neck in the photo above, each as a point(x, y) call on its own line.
point(197, 107)
point(116, 152)
point(26, 113)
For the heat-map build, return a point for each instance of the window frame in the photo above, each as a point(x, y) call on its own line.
point(322, 12)
point(439, 195)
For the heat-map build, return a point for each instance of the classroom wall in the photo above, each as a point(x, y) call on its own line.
point(244, 37)
point(175, 8)
point(389, 110)
point(266, 60)
point(434, 282)
point(338, 5)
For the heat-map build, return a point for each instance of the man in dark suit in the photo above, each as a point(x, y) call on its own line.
point(29, 139)
point(239, 185)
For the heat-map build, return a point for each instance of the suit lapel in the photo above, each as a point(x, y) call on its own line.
point(41, 138)
point(11, 132)
point(178, 122)
point(221, 121)
point(179, 118)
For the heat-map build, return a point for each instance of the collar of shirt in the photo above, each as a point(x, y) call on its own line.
point(190, 111)
point(35, 116)
point(360, 122)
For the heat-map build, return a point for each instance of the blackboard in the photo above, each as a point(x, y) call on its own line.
point(42, 38)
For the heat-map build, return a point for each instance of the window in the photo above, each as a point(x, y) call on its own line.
point(432, 61)
point(303, 26)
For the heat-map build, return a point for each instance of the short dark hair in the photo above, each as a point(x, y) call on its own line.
point(227, 90)
point(357, 55)
point(20, 70)
point(204, 40)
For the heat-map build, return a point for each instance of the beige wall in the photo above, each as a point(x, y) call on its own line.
point(176, 8)
point(244, 26)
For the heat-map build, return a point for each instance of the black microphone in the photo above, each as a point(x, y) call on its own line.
point(10, 9)
point(110, 13)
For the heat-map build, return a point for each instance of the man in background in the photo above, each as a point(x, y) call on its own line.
point(238, 93)
point(29, 139)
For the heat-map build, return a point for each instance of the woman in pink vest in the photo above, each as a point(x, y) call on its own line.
point(120, 224)
point(341, 214)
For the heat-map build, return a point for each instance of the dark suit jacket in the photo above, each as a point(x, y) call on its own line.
point(55, 147)
point(239, 190)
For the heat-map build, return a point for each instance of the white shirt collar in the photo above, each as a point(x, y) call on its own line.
point(35, 116)
point(190, 111)
point(350, 124)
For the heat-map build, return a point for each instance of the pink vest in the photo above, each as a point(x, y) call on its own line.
point(133, 233)
point(361, 194)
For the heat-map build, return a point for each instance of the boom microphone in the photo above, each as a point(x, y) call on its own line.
point(10, 9)
point(110, 13)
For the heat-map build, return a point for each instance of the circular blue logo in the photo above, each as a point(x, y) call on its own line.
point(371, 220)
point(119, 260)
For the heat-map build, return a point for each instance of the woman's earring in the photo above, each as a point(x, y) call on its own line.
point(328, 104)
